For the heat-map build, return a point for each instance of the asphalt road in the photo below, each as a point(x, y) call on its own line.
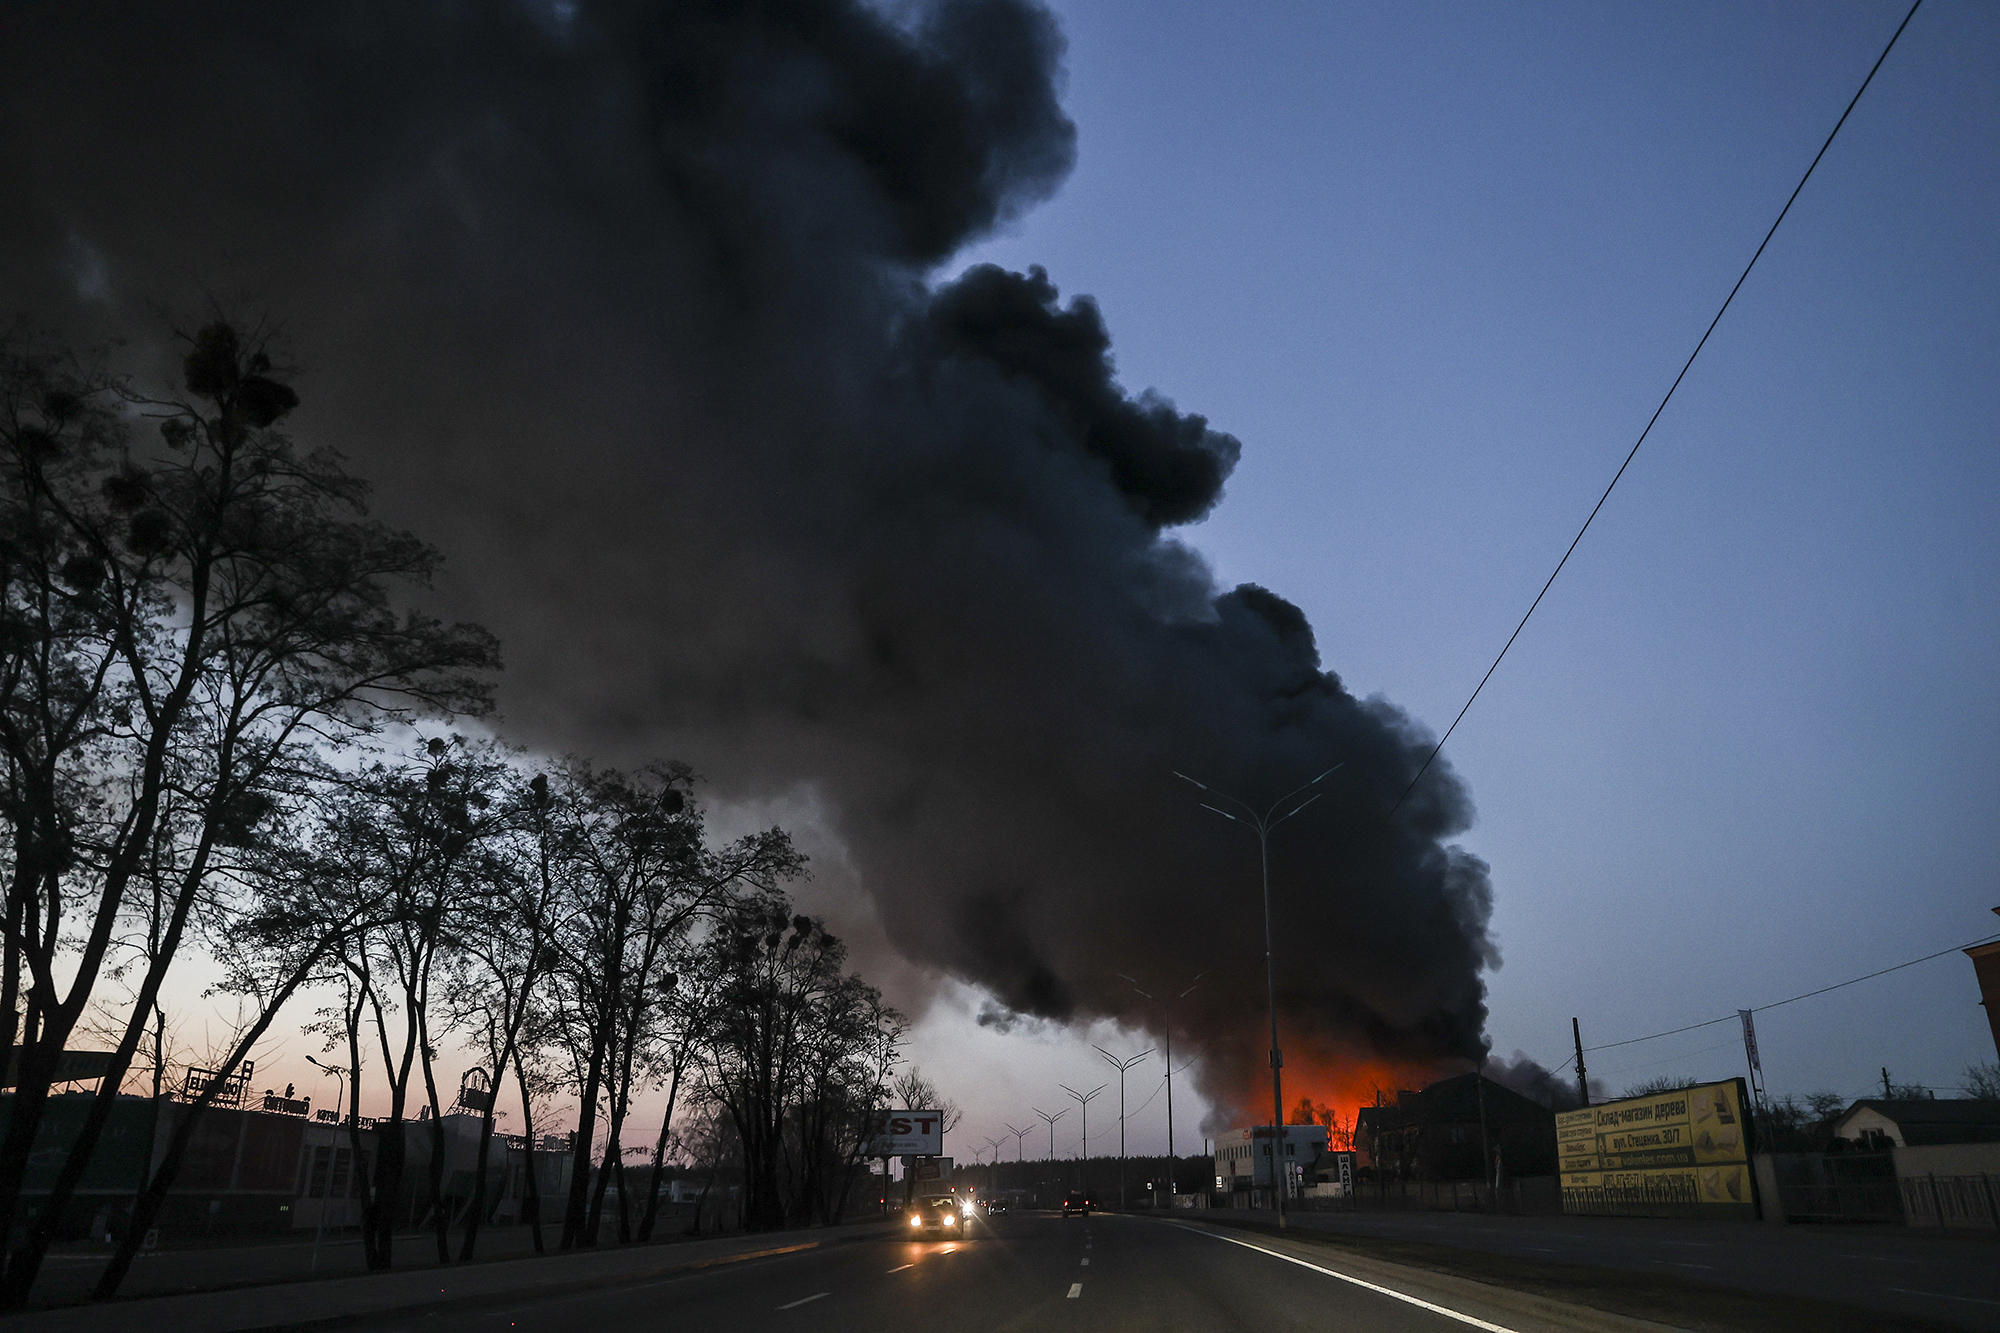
point(1027, 1271)
point(1948, 1278)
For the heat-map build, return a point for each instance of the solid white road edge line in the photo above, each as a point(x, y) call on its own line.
point(1943, 1296)
point(1407, 1299)
point(803, 1300)
point(1075, 1290)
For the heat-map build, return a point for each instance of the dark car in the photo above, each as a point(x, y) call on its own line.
point(1076, 1201)
point(995, 1207)
point(937, 1217)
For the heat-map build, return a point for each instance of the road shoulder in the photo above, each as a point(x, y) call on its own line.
point(1553, 1291)
point(304, 1304)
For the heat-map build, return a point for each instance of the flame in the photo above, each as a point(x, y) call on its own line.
point(1343, 1086)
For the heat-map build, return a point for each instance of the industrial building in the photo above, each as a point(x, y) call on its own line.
point(1445, 1130)
point(1243, 1161)
point(276, 1165)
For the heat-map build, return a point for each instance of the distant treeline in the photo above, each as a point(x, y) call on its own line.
point(1193, 1175)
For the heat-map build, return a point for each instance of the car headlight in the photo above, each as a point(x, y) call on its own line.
point(950, 1218)
point(915, 1220)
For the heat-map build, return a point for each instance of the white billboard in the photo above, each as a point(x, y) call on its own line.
point(905, 1134)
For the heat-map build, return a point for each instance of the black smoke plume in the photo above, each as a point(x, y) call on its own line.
point(638, 309)
point(1525, 1075)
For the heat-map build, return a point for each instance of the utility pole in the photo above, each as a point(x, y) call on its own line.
point(1582, 1082)
point(1083, 1144)
point(1264, 823)
point(1122, 1065)
point(1485, 1142)
point(1886, 1094)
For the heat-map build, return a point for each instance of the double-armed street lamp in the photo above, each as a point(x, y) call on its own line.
point(1122, 1066)
point(1263, 823)
point(1020, 1138)
point(1051, 1119)
point(1167, 1029)
point(1083, 1144)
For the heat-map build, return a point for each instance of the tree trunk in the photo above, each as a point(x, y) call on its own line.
point(531, 1194)
point(624, 1205)
point(440, 1215)
point(612, 1155)
point(586, 1131)
point(660, 1159)
point(146, 1206)
point(476, 1211)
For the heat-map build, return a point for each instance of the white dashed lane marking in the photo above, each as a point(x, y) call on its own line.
point(804, 1300)
point(900, 1267)
point(1075, 1290)
point(1086, 1261)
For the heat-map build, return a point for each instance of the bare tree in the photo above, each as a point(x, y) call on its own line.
point(287, 934)
point(413, 835)
point(687, 1009)
point(186, 623)
point(917, 1093)
point(499, 961)
point(635, 876)
point(793, 1030)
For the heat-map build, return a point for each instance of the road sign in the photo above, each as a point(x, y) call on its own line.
point(905, 1134)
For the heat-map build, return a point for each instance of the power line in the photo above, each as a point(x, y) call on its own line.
point(1685, 367)
point(1897, 968)
point(1667, 1059)
point(1776, 1004)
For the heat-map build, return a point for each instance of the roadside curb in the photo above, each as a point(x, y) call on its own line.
point(356, 1297)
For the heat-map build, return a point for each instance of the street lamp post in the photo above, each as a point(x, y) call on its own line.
point(1051, 1119)
point(333, 1155)
point(1083, 1144)
point(1020, 1138)
point(1264, 823)
point(1167, 1029)
point(1122, 1066)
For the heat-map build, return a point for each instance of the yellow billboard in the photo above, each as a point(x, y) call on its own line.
point(1679, 1152)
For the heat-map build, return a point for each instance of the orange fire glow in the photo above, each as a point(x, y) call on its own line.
point(1343, 1086)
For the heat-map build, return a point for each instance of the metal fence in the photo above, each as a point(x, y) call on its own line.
point(1672, 1196)
point(1532, 1195)
point(1837, 1187)
point(1952, 1201)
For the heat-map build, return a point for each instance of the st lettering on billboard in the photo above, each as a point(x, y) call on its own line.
point(905, 1133)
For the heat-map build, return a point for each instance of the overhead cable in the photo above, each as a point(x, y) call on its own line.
point(1776, 1004)
point(1633, 453)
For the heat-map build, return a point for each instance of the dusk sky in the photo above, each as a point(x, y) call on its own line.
point(1435, 266)
point(1432, 267)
